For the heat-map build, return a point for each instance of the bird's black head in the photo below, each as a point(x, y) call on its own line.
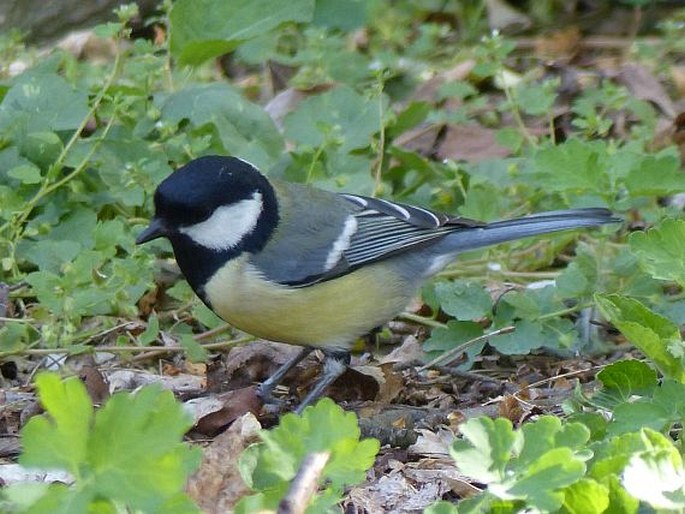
point(211, 210)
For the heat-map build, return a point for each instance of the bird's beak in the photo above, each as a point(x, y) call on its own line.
point(153, 231)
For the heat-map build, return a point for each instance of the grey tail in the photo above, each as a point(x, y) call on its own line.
point(518, 228)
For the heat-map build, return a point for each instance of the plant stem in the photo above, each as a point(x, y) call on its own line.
point(451, 354)
point(429, 322)
point(127, 349)
point(378, 173)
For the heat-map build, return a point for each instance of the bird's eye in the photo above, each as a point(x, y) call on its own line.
point(205, 213)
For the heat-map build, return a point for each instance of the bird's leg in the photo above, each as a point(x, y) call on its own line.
point(334, 365)
point(266, 388)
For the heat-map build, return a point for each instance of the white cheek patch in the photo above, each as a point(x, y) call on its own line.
point(342, 243)
point(227, 225)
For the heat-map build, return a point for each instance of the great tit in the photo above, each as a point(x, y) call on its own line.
point(300, 265)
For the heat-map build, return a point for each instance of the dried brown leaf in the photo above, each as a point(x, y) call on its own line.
point(217, 485)
point(233, 405)
point(642, 83)
point(559, 45)
point(471, 143)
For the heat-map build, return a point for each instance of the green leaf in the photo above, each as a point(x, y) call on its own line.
point(130, 452)
point(347, 16)
point(661, 250)
point(194, 350)
point(482, 202)
point(135, 450)
point(340, 117)
point(151, 332)
point(655, 176)
point(206, 316)
point(533, 464)
point(660, 409)
point(527, 336)
point(650, 332)
point(26, 173)
point(586, 496)
point(43, 147)
point(40, 102)
point(464, 300)
point(455, 334)
point(540, 482)
point(572, 166)
point(107, 30)
point(441, 507)
point(321, 427)
point(547, 433)
point(13, 336)
point(129, 167)
point(49, 255)
point(628, 417)
point(536, 99)
point(22, 495)
point(202, 29)
point(486, 448)
point(620, 501)
point(409, 117)
point(657, 476)
point(59, 440)
point(580, 277)
point(624, 379)
point(511, 138)
point(243, 128)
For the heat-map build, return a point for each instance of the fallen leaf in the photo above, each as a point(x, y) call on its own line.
point(11, 473)
point(392, 384)
point(217, 485)
point(678, 77)
point(255, 362)
point(96, 385)
point(287, 101)
point(232, 405)
point(398, 493)
point(559, 45)
point(355, 384)
point(503, 17)
point(428, 90)
point(85, 45)
point(4, 301)
point(420, 139)
point(511, 408)
point(644, 85)
point(408, 352)
point(432, 443)
point(471, 143)
point(128, 380)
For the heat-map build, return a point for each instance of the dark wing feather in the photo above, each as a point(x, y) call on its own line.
point(386, 228)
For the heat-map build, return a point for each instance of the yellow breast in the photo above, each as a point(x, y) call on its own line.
point(329, 314)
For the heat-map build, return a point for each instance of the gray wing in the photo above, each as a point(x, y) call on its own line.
point(337, 233)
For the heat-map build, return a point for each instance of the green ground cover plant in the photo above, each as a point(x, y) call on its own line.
point(83, 144)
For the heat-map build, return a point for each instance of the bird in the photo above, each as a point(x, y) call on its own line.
point(318, 269)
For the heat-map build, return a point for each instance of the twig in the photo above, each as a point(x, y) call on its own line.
point(448, 356)
point(557, 377)
point(128, 349)
point(305, 484)
point(469, 375)
point(422, 320)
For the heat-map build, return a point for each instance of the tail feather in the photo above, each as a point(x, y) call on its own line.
point(535, 224)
